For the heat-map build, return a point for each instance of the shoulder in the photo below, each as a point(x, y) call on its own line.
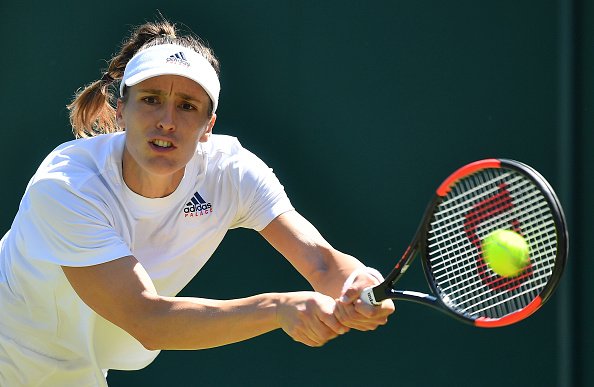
point(223, 144)
point(78, 173)
point(75, 162)
point(227, 151)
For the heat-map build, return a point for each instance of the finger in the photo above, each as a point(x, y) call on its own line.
point(332, 322)
point(325, 314)
point(304, 339)
point(373, 312)
point(348, 316)
point(353, 291)
point(302, 333)
point(319, 324)
point(317, 335)
point(325, 327)
point(364, 317)
point(350, 294)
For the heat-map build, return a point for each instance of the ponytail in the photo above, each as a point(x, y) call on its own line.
point(92, 112)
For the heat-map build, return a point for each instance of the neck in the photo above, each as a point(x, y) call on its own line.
point(146, 184)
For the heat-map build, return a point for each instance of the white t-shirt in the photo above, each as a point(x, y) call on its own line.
point(77, 211)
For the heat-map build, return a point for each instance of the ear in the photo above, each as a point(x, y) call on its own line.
point(206, 135)
point(119, 117)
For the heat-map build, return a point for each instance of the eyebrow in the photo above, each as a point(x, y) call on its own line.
point(161, 92)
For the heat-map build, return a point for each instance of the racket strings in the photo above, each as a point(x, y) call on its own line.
point(477, 205)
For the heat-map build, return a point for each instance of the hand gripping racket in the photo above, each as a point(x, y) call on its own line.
point(475, 200)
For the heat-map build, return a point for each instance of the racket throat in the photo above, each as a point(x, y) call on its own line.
point(418, 297)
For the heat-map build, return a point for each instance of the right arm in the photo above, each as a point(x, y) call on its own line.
point(122, 292)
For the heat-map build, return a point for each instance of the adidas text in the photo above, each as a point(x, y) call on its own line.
point(197, 206)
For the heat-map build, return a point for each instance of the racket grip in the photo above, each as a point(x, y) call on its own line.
point(368, 296)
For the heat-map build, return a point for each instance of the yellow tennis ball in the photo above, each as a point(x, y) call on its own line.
point(506, 252)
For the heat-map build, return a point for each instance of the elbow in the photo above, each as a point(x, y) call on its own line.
point(150, 346)
point(147, 338)
point(147, 326)
point(143, 335)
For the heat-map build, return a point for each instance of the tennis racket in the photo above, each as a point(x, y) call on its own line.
point(474, 201)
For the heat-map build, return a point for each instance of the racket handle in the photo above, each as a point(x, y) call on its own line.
point(368, 296)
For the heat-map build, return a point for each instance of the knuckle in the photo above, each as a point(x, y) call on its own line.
point(328, 335)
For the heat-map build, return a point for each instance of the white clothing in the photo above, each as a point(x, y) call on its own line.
point(77, 211)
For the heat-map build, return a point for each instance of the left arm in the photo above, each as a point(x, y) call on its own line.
point(326, 269)
point(303, 246)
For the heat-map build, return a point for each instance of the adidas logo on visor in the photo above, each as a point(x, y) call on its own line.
point(197, 206)
point(178, 58)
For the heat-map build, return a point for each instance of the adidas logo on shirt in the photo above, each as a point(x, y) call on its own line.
point(197, 206)
point(178, 58)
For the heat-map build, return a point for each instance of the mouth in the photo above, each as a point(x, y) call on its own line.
point(162, 144)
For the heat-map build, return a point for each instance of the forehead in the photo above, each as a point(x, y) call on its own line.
point(173, 85)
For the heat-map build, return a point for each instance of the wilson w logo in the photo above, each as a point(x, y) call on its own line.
point(501, 206)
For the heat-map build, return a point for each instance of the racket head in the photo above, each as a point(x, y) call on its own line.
point(474, 201)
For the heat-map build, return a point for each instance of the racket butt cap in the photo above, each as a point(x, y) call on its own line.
point(368, 296)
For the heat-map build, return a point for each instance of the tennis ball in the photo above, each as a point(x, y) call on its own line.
point(506, 252)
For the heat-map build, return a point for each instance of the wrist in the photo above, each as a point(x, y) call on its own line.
point(368, 270)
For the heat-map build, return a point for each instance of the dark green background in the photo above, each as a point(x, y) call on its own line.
point(362, 108)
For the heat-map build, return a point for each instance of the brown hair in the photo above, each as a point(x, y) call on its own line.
point(92, 112)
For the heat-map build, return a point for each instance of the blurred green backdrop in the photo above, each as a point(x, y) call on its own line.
point(362, 108)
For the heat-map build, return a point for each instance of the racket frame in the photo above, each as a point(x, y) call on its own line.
point(385, 290)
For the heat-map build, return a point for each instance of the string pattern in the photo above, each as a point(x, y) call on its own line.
point(491, 199)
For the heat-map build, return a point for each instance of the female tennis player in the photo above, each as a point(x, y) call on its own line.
point(115, 223)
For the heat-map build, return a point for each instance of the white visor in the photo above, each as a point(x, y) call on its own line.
point(172, 59)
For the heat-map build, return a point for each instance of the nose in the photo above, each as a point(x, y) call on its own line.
point(167, 117)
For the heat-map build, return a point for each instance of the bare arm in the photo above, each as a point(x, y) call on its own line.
point(300, 243)
point(122, 292)
point(326, 269)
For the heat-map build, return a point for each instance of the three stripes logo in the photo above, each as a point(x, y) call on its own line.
point(197, 206)
point(178, 58)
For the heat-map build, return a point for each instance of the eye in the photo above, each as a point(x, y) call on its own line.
point(150, 100)
point(187, 106)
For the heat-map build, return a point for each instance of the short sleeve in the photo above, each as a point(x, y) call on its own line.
point(262, 196)
point(60, 224)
